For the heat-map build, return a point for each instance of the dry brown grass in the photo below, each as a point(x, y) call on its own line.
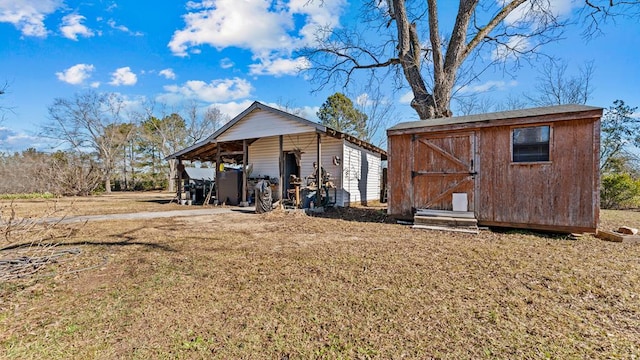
point(290, 286)
point(114, 203)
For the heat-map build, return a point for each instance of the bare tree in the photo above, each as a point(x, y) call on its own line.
point(290, 107)
point(3, 108)
point(201, 124)
point(86, 123)
point(555, 87)
point(484, 33)
point(513, 102)
point(380, 115)
point(475, 104)
point(168, 132)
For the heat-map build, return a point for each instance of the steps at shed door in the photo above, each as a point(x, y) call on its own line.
point(461, 221)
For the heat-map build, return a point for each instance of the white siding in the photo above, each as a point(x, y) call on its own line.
point(356, 177)
point(361, 174)
point(263, 154)
point(260, 124)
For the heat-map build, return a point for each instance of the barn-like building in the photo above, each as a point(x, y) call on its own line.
point(275, 144)
point(534, 168)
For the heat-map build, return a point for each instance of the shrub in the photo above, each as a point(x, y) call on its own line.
point(619, 191)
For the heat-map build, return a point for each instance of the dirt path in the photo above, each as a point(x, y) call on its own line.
point(148, 215)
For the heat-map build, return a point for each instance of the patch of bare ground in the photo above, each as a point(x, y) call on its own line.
point(285, 285)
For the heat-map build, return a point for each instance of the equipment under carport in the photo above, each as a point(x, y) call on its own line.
point(263, 196)
point(230, 187)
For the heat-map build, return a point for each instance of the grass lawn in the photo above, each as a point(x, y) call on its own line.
point(289, 286)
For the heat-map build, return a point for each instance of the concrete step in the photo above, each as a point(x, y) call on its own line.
point(448, 228)
point(442, 220)
point(445, 213)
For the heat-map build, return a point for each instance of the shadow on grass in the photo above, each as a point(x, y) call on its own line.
point(126, 240)
point(92, 243)
point(538, 233)
point(158, 201)
point(359, 214)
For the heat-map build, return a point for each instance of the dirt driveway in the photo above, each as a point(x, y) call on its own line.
point(148, 215)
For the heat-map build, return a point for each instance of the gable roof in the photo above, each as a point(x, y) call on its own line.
point(209, 145)
point(260, 106)
point(555, 112)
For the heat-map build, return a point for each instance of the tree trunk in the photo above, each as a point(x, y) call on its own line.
point(172, 175)
point(107, 185)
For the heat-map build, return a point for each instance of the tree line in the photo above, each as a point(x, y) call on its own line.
point(102, 146)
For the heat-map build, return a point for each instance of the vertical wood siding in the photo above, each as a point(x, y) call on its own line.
point(399, 193)
point(443, 164)
point(561, 195)
point(558, 193)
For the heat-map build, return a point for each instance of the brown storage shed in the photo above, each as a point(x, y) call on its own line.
point(534, 168)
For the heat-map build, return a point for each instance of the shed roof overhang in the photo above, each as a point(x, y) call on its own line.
point(503, 118)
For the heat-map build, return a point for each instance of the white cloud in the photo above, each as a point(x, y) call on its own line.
point(512, 49)
point(223, 23)
point(72, 27)
point(232, 108)
point(123, 76)
point(214, 91)
point(363, 100)
point(226, 63)
point(95, 84)
point(168, 74)
point(279, 67)
point(12, 140)
point(487, 86)
point(113, 25)
point(406, 98)
point(28, 15)
point(531, 11)
point(272, 36)
point(76, 74)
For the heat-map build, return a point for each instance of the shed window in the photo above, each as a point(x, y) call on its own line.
point(531, 144)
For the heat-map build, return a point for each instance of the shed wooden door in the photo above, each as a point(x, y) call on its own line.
point(442, 165)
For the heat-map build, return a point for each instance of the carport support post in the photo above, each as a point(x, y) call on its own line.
point(245, 159)
point(319, 171)
point(179, 184)
point(281, 166)
point(217, 184)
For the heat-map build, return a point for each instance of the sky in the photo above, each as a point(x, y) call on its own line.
point(229, 53)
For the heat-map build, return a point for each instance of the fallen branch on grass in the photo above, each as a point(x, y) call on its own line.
point(25, 266)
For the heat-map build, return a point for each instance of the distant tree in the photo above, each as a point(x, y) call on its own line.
point(166, 132)
point(619, 191)
point(85, 123)
point(201, 124)
point(619, 147)
point(124, 136)
point(166, 135)
point(474, 104)
point(620, 136)
point(555, 87)
point(380, 114)
point(339, 113)
point(290, 107)
point(3, 108)
point(404, 39)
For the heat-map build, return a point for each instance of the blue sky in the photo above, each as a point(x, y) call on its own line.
point(228, 53)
